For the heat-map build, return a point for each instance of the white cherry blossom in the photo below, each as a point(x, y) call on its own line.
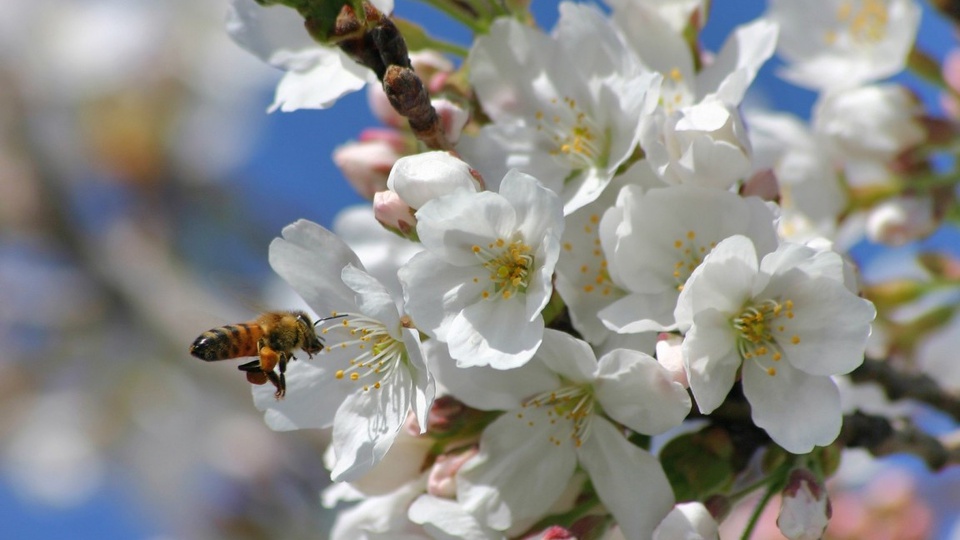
point(486, 273)
point(785, 324)
point(696, 135)
point(874, 122)
point(566, 108)
point(653, 268)
point(811, 194)
point(528, 455)
point(316, 76)
point(371, 373)
point(843, 43)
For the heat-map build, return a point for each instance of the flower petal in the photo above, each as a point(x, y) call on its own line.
point(830, 326)
point(373, 299)
point(316, 78)
point(452, 225)
point(311, 258)
point(366, 425)
point(519, 472)
point(434, 293)
point(629, 481)
point(798, 411)
point(445, 519)
point(724, 281)
point(567, 356)
point(486, 388)
point(311, 401)
point(711, 357)
point(495, 333)
point(635, 390)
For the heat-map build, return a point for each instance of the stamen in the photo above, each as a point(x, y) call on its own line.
point(577, 139)
point(509, 265)
point(758, 332)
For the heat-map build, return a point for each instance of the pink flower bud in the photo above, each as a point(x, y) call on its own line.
point(556, 532)
point(805, 507)
point(382, 109)
point(432, 67)
point(442, 481)
point(762, 184)
point(367, 164)
point(393, 213)
point(444, 414)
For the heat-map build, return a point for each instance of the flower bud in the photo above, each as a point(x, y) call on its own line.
point(382, 109)
point(900, 220)
point(432, 67)
point(423, 177)
point(874, 122)
point(366, 164)
point(556, 532)
point(762, 184)
point(393, 213)
point(442, 480)
point(805, 507)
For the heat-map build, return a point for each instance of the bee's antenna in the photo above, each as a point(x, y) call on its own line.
point(329, 318)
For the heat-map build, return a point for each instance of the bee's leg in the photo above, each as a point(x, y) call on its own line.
point(268, 361)
point(283, 370)
point(255, 375)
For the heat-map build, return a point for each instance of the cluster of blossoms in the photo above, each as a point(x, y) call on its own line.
point(605, 267)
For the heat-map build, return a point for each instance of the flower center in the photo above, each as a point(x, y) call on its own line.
point(509, 265)
point(865, 22)
point(674, 91)
point(377, 353)
point(595, 277)
point(570, 406)
point(761, 328)
point(690, 254)
point(577, 139)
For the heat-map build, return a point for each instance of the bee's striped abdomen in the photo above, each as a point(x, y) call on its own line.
point(230, 341)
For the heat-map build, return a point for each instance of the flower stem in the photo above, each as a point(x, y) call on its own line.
point(477, 24)
point(758, 511)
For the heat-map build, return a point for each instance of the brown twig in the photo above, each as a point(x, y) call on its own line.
point(899, 385)
point(882, 436)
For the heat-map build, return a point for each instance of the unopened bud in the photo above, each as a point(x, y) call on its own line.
point(444, 414)
point(556, 532)
point(421, 178)
point(442, 480)
point(366, 164)
point(432, 67)
point(804, 508)
point(762, 184)
point(900, 220)
point(393, 213)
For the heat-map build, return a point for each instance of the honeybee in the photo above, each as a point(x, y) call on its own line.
point(272, 337)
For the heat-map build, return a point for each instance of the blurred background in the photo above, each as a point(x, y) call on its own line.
point(141, 181)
